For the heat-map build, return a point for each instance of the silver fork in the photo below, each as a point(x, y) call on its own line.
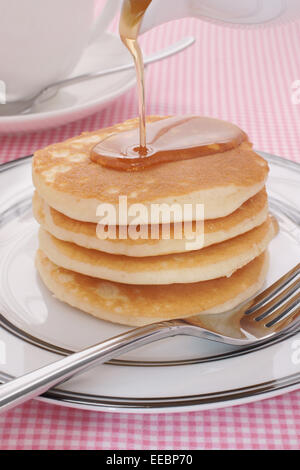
point(276, 311)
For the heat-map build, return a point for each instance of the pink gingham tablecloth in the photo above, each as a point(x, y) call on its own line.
point(243, 76)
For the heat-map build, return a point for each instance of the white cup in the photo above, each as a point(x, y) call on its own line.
point(41, 41)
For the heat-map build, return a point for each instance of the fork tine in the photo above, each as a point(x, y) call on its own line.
point(276, 302)
point(290, 311)
point(285, 318)
point(279, 287)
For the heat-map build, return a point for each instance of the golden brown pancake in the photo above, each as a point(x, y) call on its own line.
point(208, 263)
point(251, 214)
point(71, 183)
point(140, 305)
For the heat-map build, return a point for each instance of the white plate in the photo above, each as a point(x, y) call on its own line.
point(80, 100)
point(171, 375)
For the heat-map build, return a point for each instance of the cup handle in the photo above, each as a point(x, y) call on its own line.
point(105, 17)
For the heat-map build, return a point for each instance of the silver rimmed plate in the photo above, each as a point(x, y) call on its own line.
point(171, 375)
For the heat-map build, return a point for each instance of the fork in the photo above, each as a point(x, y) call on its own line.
point(273, 312)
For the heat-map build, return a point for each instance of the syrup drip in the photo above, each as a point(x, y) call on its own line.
point(170, 139)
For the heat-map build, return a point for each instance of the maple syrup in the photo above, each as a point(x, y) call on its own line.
point(170, 139)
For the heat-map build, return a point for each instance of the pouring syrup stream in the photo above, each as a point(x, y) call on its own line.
point(130, 21)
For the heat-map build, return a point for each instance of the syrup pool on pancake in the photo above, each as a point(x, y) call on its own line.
point(170, 139)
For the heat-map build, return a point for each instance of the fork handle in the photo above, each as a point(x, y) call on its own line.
point(35, 383)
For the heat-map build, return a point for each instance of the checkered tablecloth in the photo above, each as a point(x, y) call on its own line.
point(243, 76)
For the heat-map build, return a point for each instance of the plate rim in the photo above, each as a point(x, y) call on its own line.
point(214, 400)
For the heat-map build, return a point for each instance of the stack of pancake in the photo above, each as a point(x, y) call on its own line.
point(135, 282)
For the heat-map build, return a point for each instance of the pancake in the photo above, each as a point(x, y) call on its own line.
point(71, 183)
point(251, 214)
point(141, 305)
point(201, 265)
